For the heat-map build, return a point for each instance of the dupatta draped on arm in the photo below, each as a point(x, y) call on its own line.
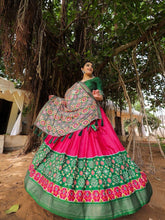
point(61, 116)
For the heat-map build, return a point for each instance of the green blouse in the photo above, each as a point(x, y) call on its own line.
point(94, 83)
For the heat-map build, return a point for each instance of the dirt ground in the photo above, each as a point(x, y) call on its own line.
point(13, 168)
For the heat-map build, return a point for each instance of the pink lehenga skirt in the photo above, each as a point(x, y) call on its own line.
point(87, 175)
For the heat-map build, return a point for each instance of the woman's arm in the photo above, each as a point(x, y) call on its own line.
point(98, 94)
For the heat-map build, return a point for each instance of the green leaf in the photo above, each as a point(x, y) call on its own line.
point(12, 209)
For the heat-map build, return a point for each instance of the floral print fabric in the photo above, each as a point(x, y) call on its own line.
point(98, 179)
point(61, 116)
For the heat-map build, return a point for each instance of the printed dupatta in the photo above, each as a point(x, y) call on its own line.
point(61, 116)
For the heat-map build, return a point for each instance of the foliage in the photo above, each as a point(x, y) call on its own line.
point(17, 82)
point(27, 109)
point(153, 121)
point(2, 68)
point(12, 209)
point(96, 28)
point(127, 124)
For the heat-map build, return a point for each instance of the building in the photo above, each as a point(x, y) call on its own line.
point(12, 101)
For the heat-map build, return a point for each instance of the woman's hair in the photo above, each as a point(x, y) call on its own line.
point(84, 62)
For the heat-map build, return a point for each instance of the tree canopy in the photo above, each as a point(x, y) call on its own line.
point(49, 39)
point(44, 42)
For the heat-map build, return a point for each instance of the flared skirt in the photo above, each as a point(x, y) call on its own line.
point(87, 175)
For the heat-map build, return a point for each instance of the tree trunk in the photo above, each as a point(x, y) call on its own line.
point(32, 138)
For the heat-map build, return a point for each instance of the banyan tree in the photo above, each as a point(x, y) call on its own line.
point(43, 43)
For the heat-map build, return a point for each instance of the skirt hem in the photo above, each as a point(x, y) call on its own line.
point(117, 208)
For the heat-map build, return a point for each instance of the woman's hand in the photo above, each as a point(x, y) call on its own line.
point(96, 95)
point(50, 96)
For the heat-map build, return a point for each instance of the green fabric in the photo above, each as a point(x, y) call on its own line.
point(88, 211)
point(102, 187)
point(94, 83)
point(100, 172)
point(93, 180)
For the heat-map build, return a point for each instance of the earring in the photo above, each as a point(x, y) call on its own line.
point(83, 71)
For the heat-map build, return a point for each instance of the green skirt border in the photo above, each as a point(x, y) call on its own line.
point(88, 211)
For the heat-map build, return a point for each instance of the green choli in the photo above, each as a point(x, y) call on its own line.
point(94, 83)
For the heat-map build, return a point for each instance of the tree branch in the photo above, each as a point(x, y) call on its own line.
point(145, 36)
point(78, 17)
point(117, 84)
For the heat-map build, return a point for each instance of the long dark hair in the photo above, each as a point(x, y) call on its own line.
point(84, 62)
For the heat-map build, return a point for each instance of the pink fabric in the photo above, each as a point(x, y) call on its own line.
point(91, 143)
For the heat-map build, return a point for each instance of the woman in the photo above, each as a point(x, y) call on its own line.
point(82, 171)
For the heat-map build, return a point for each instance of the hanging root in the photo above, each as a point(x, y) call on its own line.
point(141, 99)
point(24, 4)
point(132, 134)
point(158, 56)
point(22, 31)
point(41, 31)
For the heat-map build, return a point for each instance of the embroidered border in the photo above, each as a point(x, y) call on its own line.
point(103, 195)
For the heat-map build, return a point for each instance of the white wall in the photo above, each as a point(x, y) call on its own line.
point(12, 118)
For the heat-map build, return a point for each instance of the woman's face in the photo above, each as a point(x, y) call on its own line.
point(88, 68)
